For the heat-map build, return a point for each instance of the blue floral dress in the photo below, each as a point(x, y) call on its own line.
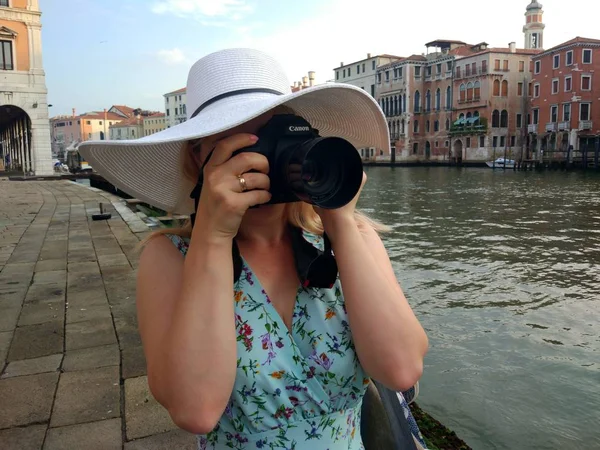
point(295, 390)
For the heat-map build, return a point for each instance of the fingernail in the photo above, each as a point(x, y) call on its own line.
point(253, 139)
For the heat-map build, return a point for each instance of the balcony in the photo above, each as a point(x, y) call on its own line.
point(564, 126)
point(532, 128)
point(551, 127)
point(585, 125)
point(469, 127)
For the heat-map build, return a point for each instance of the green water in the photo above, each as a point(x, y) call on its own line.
point(503, 270)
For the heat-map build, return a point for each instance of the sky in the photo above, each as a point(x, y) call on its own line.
point(130, 52)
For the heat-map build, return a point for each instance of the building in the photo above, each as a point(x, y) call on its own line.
point(307, 81)
point(154, 123)
point(534, 26)
point(362, 73)
point(565, 103)
point(415, 94)
point(132, 128)
point(69, 131)
point(24, 126)
point(175, 107)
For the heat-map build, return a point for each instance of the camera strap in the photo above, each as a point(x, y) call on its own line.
point(316, 268)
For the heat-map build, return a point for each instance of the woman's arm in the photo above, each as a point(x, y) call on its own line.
point(389, 339)
point(186, 320)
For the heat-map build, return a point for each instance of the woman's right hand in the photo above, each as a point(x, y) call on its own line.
point(222, 203)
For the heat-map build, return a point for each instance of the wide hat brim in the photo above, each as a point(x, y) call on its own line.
point(150, 168)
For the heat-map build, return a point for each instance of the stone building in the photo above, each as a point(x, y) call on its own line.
point(24, 125)
point(175, 107)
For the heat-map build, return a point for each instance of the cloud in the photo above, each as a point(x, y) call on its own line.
point(172, 56)
point(204, 10)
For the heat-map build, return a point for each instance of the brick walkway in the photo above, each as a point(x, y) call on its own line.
point(72, 371)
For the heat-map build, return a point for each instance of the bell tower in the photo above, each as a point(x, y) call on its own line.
point(534, 26)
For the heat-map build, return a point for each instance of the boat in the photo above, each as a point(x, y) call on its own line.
point(501, 163)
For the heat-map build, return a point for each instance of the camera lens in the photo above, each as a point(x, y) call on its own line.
point(326, 172)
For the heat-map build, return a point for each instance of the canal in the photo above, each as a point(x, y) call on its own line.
point(503, 270)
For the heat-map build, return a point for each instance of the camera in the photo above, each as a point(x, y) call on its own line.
point(303, 166)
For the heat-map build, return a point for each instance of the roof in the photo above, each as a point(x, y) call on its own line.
point(534, 5)
point(417, 58)
point(127, 110)
point(97, 115)
point(438, 42)
point(155, 115)
point(132, 122)
point(178, 91)
point(574, 41)
point(383, 55)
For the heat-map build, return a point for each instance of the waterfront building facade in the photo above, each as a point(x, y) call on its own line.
point(175, 107)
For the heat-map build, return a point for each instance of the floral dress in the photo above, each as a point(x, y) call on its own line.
point(295, 390)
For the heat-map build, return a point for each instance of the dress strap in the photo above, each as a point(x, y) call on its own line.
point(182, 244)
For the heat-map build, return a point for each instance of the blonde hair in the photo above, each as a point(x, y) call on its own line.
point(299, 214)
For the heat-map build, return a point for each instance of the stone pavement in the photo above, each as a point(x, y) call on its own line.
point(72, 370)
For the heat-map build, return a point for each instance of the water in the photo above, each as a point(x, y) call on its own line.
point(503, 270)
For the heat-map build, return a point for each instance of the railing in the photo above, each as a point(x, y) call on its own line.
point(467, 130)
point(550, 127)
point(562, 126)
point(585, 125)
point(532, 128)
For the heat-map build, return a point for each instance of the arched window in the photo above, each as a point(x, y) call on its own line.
point(477, 90)
point(461, 116)
point(496, 88)
point(395, 105)
point(403, 126)
point(417, 107)
point(447, 124)
point(504, 88)
point(416, 126)
point(495, 119)
point(448, 98)
point(404, 102)
point(428, 101)
point(438, 99)
point(102, 135)
point(398, 127)
point(427, 126)
point(387, 107)
point(468, 115)
point(436, 125)
point(463, 93)
point(470, 91)
point(504, 119)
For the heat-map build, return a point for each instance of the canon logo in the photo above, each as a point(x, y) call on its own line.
point(295, 129)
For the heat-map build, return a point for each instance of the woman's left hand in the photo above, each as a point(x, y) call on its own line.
point(333, 219)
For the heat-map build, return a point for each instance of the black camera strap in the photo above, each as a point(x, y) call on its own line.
point(316, 268)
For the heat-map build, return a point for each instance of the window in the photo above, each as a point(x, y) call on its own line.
point(554, 114)
point(484, 66)
point(437, 144)
point(521, 66)
point(587, 56)
point(457, 71)
point(416, 126)
point(463, 93)
point(520, 89)
point(379, 78)
point(495, 119)
point(504, 88)
point(358, 68)
point(344, 73)
point(417, 72)
point(568, 84)
point(89, 135)
point(482, 141)
point(505, 65)
point(436, 125)
point(496, 88)
point(363, 67)
point(100, 122)
point(496, 64)
point(567, 112)
point(536, 116)
point(569, 58)
point(584, 111)
point(537, 67)
point(399, 72)
point(372, 90)
point(428, 71)
point(446, 144)
point(586, 82)
point(438, 69)
point(349, 71)
point(495, 141)
point(373, 65)
point(502, 141)
point(428, 101)
point(504, 119)
point(513, 141)
point(176, 111)
point(477, 91)
point(467, 70)
point(448, 98)
point(387, 75)
point(447, 124)
point(536, 90)
point(470, 91)
point(555, 86)
point(519, 120)
point(556, 62)
point(6, 56)
point(468, 142)
point(4, 3)
point(427, 126)
point(530, 89)
point(474, 68)
point(168, 113)
point(337, 74)
point(417, 105)
point(438, 99)
point(415, 148)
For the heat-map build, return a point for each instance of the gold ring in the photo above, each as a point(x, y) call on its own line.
point(242, 183)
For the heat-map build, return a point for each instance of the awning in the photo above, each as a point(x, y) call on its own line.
point(472, 120)
point(460, 121)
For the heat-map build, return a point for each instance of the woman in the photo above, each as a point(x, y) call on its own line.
point(244, 355)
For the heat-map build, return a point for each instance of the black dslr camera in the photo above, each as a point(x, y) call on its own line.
point(303, 166)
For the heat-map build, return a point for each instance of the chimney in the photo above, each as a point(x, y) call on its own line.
point(311, 78)
point(368, 56)
point(304, 81)
point(73, 112)
point(513, 47)
point(342, 64)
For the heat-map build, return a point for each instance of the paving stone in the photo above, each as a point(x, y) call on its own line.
point(23, 438)
point(86, 396)
point(176, 439)
point(102, 435)
point(91, 333)
point(37, 340)
point(27, 399)
point(23, 367)
point(144, 416)
point(41, 312)
point(91, 358)
point(5, 338)
point(55, 277)
point(86, 299)
point(113, 260)
point(45, 292)
point(133, 362)
point(50, 265)
point(81, 314)
point(8, 318)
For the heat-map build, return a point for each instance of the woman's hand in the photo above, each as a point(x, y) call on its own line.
point(223, 201)
point(333, 219)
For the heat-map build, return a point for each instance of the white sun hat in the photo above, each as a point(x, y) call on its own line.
point(226, 89)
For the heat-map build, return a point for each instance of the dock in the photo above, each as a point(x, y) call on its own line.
point(72, 369)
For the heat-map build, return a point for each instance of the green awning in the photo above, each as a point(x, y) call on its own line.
point(460, 121)
point(472, 120)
